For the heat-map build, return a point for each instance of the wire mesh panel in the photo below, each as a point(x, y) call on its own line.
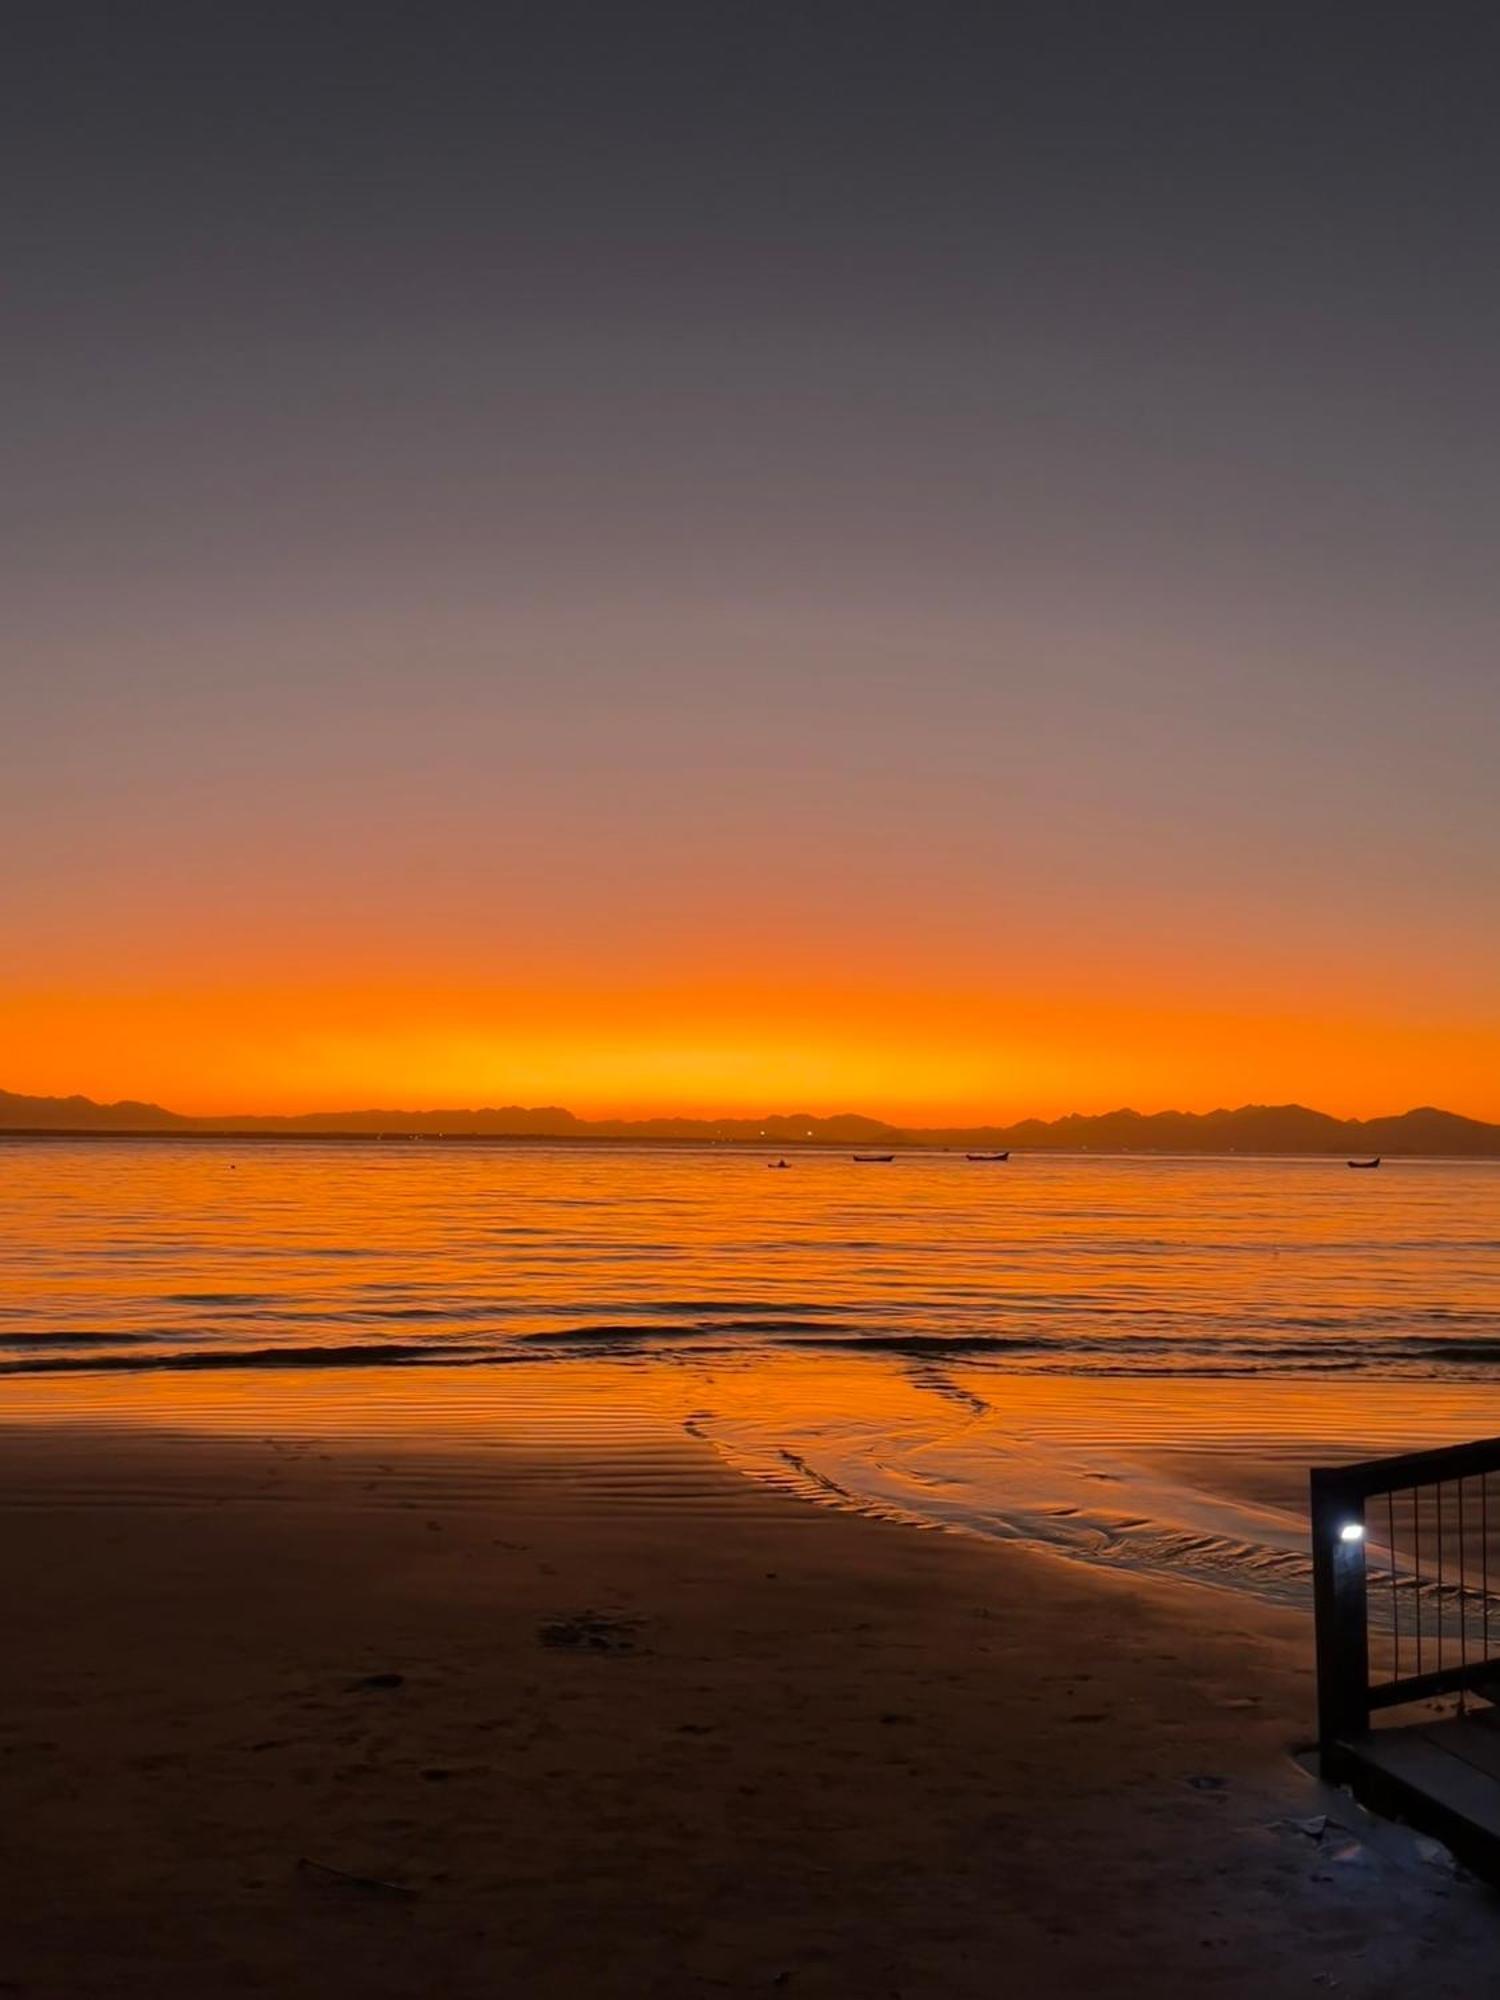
point(1406, 1581)
point(1430, 1607)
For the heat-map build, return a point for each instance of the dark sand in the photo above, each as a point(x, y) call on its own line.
point(804, 1752)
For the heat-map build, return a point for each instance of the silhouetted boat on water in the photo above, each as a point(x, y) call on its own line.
point(1363, 1166)
point(775, 1165)
point(874, 1159)
point(987, 1157)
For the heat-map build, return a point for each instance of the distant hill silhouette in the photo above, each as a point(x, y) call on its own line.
point(82, 1114)
point(1253, 1128)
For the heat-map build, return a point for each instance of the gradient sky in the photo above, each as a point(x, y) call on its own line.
point(929, 559)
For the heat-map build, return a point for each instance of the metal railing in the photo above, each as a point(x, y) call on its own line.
point(1402, 1579)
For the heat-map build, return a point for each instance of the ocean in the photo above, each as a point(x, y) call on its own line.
point(1130, 1359)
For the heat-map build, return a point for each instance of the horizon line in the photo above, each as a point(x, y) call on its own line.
point(1288, 1107)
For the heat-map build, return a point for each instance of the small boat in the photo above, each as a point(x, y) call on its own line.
point(874, 1159)
point(1363, 1166)
point(776, 1165)
point(986, 1156)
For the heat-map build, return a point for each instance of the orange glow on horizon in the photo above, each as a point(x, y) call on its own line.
point(703, 1051)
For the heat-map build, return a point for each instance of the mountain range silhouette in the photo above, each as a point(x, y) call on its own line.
point(1252, 1128)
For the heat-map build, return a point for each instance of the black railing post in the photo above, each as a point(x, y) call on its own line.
point(1342, 1637)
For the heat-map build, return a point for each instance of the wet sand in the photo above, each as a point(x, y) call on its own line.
point(286, 1716)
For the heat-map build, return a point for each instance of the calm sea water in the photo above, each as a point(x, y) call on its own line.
point(1131, 1360)
point(164, 1255)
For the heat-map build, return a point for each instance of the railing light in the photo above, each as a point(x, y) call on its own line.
point(1352, 1531)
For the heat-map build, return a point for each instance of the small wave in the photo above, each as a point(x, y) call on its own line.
point(638, 1330)
point(1162, 1353)
point(61, 1350)
point(50, 1337)
point(220, 1298)
point(771, 1324)
point(623, 1335)
point(938, 1383)
point(820, 1481)
point(935, 1343)
point(749, 1311)
point(364, 1355)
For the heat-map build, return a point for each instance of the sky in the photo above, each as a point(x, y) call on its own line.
point(927, 559)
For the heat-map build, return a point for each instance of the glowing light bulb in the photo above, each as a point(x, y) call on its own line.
point(1352, 1531)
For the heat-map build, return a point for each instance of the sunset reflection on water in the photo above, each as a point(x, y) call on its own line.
point(1055, 1349)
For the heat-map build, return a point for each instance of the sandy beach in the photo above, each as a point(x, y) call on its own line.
point(284, 1715)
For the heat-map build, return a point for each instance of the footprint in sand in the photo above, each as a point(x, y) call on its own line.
point(590, 1632)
